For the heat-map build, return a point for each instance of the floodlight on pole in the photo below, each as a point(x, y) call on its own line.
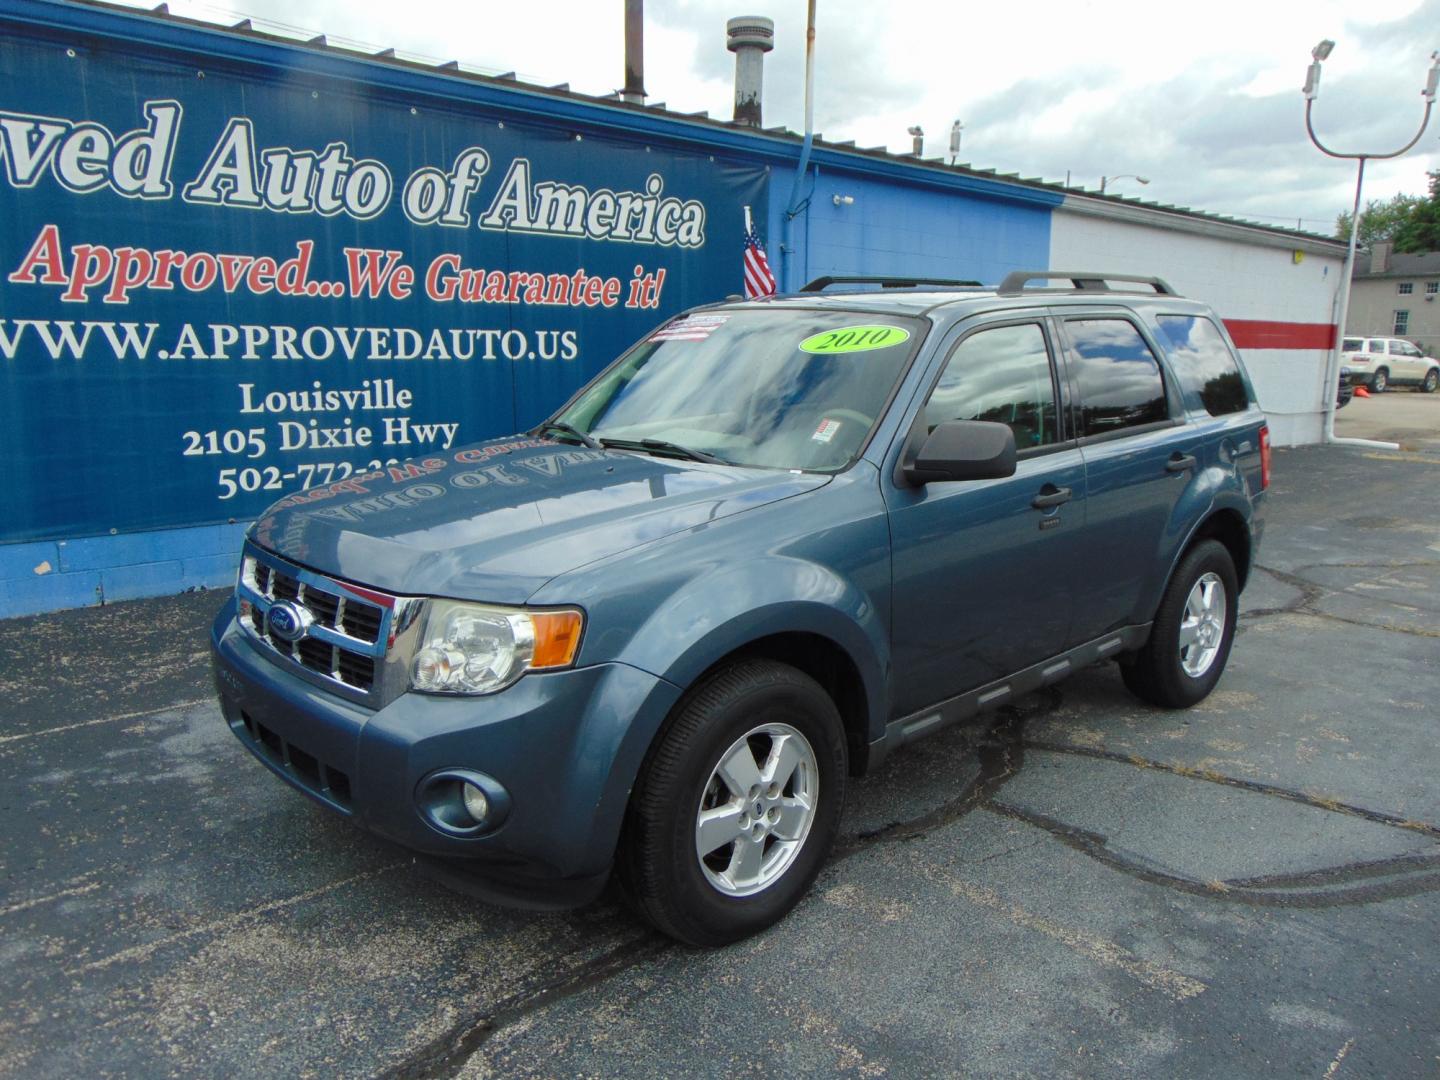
point(1106, 181)
point(1312, 75)
point(1342, 311)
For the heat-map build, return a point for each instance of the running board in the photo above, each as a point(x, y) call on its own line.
point(963, 706)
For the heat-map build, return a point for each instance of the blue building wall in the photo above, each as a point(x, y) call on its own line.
point(906, 218)
point(895, 230)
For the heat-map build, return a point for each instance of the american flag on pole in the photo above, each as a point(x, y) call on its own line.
point(759, 281)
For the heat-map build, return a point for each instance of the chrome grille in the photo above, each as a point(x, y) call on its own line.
point(349, 628)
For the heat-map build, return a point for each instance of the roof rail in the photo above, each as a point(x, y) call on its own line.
point(1080, 281)
point(820, 284)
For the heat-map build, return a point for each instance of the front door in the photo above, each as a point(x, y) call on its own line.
point(982, 578)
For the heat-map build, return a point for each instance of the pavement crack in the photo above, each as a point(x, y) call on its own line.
point(1407, 877)
point(63, 894)
point(1339, 1057)
point(1312, 593)
point(1001, 756)
point(446, 1054)
point(1319, 802)
point(105, 720)
point(1359, 871)
point(143, 951)
point(1411, 631)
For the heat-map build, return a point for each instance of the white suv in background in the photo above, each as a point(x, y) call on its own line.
point(1380, 362)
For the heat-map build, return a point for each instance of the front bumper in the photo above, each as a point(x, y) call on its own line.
point(566, 747)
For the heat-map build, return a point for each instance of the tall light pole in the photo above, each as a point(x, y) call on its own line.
point(1105, 181)
point(1311, 92)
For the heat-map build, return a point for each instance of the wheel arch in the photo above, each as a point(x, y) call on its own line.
point(826, 661)
point(1228, 526)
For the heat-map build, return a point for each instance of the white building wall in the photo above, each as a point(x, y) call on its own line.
point(1244, 273)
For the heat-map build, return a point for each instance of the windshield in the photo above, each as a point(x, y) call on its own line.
point(790, 389)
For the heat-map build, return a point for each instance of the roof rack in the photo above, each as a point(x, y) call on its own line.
point(820, 284)
point(1080, 281)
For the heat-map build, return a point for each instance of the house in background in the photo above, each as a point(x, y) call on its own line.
point(1395, 296)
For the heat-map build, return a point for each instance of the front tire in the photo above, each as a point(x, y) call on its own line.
point(737, 806)
point(1431, 380)
point(1193, 631)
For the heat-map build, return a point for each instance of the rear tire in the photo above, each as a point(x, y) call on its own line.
point(1380, 381)
point(752, 769)
point(1193, 631)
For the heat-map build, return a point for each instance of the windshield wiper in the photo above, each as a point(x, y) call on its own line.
point(663, 447)
point(568, 429)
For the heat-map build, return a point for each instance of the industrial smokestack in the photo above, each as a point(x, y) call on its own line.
point(634, 91)
point(749, 37)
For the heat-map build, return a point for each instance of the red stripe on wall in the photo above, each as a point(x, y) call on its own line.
point(1257, 334)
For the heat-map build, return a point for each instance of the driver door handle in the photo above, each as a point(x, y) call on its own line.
point(1180, 462)
point(1050, 496)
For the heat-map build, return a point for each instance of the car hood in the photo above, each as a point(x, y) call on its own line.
point(497, 520)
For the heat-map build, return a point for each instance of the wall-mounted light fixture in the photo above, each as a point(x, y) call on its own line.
point(843, 200)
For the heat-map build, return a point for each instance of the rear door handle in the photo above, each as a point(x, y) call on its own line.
point(1180, 462)
point(1052, 497)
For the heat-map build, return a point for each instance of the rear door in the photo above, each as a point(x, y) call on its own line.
point(1409, 363)
point(982, 574)
point(1138, 457)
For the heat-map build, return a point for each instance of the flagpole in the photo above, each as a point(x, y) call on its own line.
point(748, 226)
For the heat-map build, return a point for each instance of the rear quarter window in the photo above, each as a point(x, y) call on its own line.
point(1201, 359)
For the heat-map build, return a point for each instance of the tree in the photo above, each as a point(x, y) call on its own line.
point(1382, 219)
point(1420, 232)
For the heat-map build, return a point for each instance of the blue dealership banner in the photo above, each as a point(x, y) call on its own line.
point(221, 285)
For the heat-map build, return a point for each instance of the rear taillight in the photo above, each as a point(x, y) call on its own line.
point(1264, 458)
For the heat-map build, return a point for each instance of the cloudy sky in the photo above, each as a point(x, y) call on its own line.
point(1203, 100)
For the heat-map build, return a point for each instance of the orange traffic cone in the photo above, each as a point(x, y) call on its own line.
point(1360, 391)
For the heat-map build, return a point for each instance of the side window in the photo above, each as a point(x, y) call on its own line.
point(1002, 375)
point(1117, 374)
point(1203, 363)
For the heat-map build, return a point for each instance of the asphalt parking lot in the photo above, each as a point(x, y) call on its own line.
point(1079, 885)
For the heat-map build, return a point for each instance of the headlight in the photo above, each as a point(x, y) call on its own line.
point(478, 649)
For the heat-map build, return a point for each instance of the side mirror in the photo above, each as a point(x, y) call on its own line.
point(963, 450)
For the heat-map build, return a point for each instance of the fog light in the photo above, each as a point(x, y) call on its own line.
point(476, 804)
point(462, 803)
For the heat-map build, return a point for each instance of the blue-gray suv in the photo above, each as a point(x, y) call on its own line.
point(773, 542)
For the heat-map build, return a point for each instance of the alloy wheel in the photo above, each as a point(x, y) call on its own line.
point(1202, 630)
point(757, 809)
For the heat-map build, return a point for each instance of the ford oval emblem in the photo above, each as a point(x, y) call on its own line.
point(287, 621)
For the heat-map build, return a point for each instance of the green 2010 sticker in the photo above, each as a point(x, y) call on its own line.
point(854, 339)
